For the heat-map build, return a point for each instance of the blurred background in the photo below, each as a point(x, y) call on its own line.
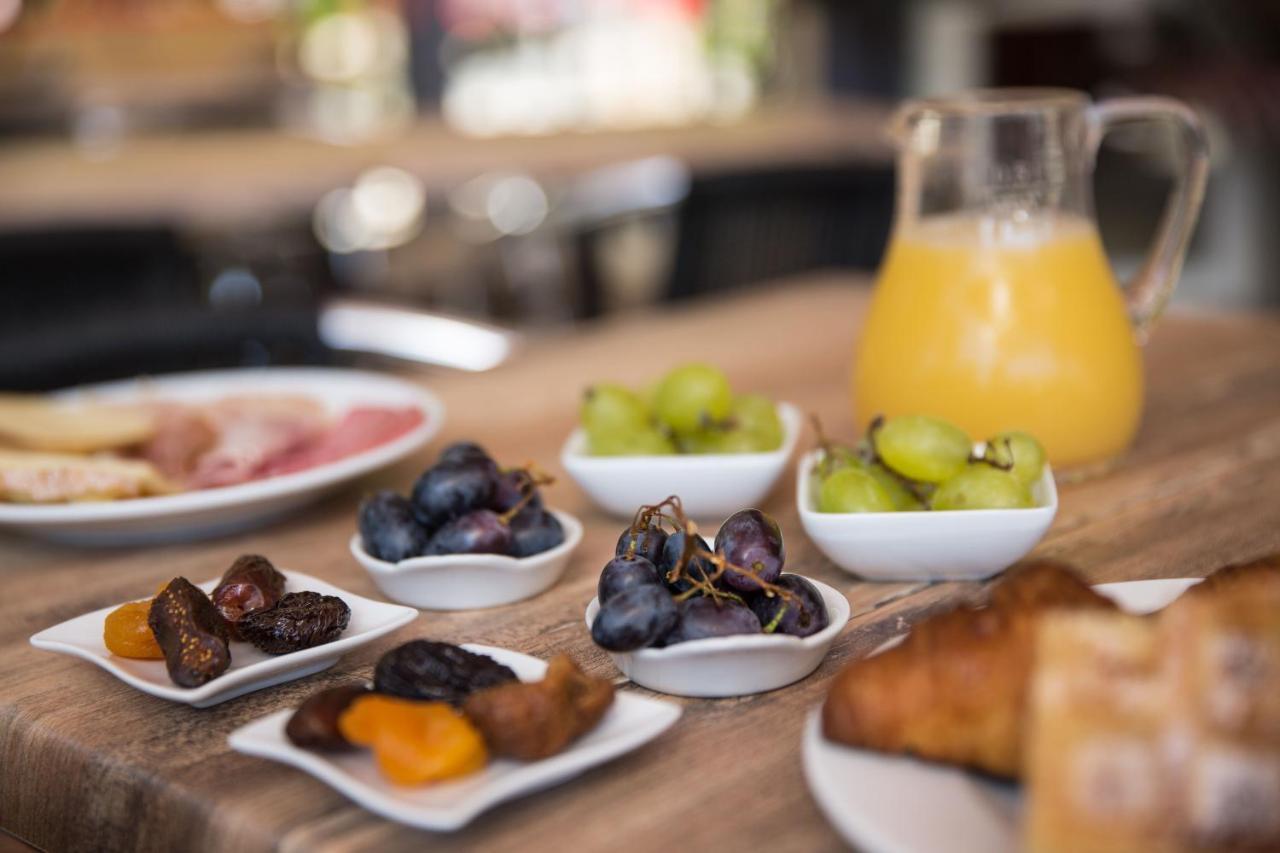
point(188, 183)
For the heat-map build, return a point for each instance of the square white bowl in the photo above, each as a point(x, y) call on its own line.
point(250, 668)
point(925, 545)
point(469, 581)
point(711, 486)
point(737, 665)
point(628, 724)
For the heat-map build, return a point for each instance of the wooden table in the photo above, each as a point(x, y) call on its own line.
point(86, 762)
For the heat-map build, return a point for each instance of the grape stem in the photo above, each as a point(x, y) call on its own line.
point(986, 457)
point(704, 584)
point(535, 477)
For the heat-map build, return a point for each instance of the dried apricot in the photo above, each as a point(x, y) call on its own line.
point(126, 633)
point(414, 742)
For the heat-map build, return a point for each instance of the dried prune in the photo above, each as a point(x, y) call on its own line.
point(422, 669)
point(251, 584)
point(315, 724)
point(529, 721)
point(191, 633)
point(299, 620)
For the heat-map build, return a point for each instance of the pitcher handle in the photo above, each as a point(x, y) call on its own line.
point(1150, 288)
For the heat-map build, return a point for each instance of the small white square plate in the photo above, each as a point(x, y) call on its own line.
point(631, 722)
point(876, 801)
point(250, 669)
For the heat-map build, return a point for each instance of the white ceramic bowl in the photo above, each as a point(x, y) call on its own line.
point(467, 581)
point(250, 668)
point(711, 486)
point(925, 545)
point(215, 512)
point(732, 666)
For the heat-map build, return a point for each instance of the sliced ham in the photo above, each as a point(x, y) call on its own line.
point(360, 429)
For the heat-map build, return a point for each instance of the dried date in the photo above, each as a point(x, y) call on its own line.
point(315, 724)
point(422, 669)
point(251, 584)
point(300, 620)
point(191, 633)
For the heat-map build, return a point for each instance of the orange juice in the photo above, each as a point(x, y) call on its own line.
point(998, 324)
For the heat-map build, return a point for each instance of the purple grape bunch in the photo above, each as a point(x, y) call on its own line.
point(463, 504)
point(661, 589)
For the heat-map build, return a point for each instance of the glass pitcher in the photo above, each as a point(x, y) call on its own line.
point(995, 306)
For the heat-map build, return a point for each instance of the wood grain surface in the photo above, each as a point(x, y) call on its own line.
point(89, 763)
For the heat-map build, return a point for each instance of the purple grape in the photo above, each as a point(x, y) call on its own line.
point(648, 543)
point(463, 451)
point(704, 617)
point(752, 540)
point(799, 618)
point(510, 487)
point(623, 573)
point(450, 489)
point(534, 531)
point(388, 529)
point(699, 567)
point(481, 531)
point(634, 618)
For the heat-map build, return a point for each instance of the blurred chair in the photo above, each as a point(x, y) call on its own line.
point(740, 228)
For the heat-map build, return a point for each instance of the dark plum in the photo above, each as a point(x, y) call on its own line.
point(634, 618)
point(648, 543)
point(752, 540)
point(481, 531)
point(699, 567)
point(622, 573)
point(534, 531)
point(388, 528)
point(449, 490)
point(704, 617)
point(510, 487)
point(804, 615)
point(463, 451)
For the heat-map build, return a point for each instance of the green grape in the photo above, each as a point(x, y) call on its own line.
point(980, 486)
point(922, 448)
point(608, 408)
point(853, 490)
point(691, 396)
point(902, 497)
point(647, 441)
point(1022, 450)
point(722, 441)
point(757, 415)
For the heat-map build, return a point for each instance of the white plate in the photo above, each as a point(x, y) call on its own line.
point(466, 581)
point(631, 722)
point(894, 804)
point(250, 669)
point(210, 512)
point(711, 486)
point(732, 666)
point(925, 545)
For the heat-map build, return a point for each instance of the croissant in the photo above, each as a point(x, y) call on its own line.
point(955, 689)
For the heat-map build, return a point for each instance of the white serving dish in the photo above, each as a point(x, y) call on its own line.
point(250, 668)
point(877, 801)
point(732, 666)
point(467, 581)
point(631, 722)
point(211, 512)
point(711, 486)
point(959, 545)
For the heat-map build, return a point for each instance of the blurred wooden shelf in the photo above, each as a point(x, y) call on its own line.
point(243, 178)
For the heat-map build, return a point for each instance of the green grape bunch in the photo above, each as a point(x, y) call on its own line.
point(918, 463)
point(692, 409)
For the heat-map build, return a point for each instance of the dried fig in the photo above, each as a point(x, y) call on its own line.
point(191, 633)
